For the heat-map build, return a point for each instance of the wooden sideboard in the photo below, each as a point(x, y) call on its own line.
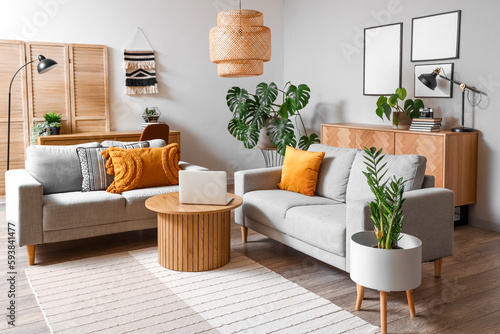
point(451, 156)
point(85, 137)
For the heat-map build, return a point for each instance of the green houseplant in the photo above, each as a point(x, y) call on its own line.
point(53, 120)
point(38, 129)
point(386, 209)
point(151, 115)
point(252, 112)
point(386, 105)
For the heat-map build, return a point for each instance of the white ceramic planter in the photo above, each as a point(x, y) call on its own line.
point(386, 269)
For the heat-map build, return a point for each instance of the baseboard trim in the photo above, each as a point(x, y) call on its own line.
point(484, 225)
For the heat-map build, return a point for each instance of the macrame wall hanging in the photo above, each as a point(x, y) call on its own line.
point(140, 68)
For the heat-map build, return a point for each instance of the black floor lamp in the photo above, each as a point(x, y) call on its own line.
point(429, 80)
point(44, 65)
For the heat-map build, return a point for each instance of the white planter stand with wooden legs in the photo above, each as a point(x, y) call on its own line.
point(386, 270)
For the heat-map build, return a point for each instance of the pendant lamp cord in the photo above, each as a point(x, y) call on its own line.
point(240, 31)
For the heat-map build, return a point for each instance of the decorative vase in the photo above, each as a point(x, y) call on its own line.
point(404, 121)
point(271, 156)
point(264, 142)
point(386, 269)
point(55, 130)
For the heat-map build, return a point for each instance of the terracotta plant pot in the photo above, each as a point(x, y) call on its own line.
point(404, 121)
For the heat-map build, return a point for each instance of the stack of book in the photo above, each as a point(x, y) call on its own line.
point(147, 123)
point(426, 124)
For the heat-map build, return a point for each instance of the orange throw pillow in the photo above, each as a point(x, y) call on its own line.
point(300, 171)
point(142, 167)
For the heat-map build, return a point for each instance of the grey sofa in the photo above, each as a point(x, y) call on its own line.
point(46, 204)
point(322, 225)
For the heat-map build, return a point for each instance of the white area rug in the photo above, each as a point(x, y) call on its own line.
point(131, 293)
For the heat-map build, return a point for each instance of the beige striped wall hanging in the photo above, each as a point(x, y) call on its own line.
point(140, 68)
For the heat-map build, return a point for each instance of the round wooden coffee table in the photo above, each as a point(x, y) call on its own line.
point(192, 237)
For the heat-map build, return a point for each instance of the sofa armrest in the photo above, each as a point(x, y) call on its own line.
point(24, 206)
point(187, 166)
point(254, 179)
point(428, 216)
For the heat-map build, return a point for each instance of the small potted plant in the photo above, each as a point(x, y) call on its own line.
point(151, 115)
point(53, 120)
point(254, 112)
point(38, 129)
point(401, 116)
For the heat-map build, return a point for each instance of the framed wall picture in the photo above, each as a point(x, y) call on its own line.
point(382, 59)
point(444, 88)
point(435, 37)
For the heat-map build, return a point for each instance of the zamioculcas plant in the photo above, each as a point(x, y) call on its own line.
point(251, 112)
point(386, 209)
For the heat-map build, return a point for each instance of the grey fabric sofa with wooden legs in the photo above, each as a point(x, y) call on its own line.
point(46, 204)
point(321, 225)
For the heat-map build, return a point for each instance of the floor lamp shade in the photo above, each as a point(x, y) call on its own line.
point(44, 65)
point(240, 43)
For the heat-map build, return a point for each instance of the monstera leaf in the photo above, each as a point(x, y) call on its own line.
point(300, 95)
point(266, 93)
point(306, 141)
point(237, 101)
point(287, 108)
point(258, 113)
point(247, 134)
point(281, 133)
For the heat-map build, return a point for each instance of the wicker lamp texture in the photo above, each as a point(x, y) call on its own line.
point(240, 43)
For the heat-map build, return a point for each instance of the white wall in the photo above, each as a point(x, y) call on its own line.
point(324, 48)
point(192, 96)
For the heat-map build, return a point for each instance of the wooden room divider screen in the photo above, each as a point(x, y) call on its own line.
point(77, 88)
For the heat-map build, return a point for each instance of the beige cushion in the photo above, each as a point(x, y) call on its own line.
point(78, 209)
point(334, 170)
point(409, 167)
point(269, 207)
point(321, 226)
point(56, 167)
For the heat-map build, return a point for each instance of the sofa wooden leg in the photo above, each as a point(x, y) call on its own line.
point(244, 234)
point(438, 263)
point(361, 295)
point(31, 254)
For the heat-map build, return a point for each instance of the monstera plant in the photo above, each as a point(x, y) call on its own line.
point(252, 112)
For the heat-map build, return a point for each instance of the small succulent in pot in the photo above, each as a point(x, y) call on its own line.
point(151, 115)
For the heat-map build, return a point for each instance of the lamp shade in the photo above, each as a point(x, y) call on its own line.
point(240, 43)
point(429, 79)
point(45, 64)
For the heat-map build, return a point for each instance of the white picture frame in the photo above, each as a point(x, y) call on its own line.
point(444, 87)
point(382, 59)
point(436, 37)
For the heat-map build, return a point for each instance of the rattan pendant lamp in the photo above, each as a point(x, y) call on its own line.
point(240, 43)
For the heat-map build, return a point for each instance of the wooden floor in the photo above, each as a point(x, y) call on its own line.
point(466, 299)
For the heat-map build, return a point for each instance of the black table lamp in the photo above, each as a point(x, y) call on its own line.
point(44, 65)
point(429, 80)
